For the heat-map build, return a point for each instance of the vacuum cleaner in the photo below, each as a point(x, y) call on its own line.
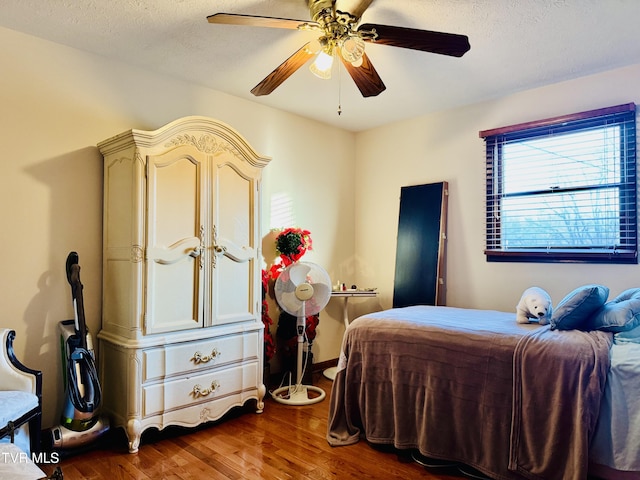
point(81, 422)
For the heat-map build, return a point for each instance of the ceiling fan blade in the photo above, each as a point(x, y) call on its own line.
point(424, 40)
point(365, 77)
point(284, 71)
point(256, 21)
point(354, 7)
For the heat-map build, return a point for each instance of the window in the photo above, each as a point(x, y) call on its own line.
point(563, 189)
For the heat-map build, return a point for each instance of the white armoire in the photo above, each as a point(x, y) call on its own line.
point(182, 337)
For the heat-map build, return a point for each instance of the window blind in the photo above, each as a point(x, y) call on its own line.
point(563, 189)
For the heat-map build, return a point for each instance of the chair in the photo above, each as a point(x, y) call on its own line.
point(20, 395)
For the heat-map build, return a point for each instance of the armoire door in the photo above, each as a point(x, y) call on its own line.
point(175, 241)
point(235, 250)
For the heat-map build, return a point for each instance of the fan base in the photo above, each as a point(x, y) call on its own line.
point(298, 395)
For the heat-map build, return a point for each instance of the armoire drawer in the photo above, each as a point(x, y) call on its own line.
point(194, 389)
point(190, 357)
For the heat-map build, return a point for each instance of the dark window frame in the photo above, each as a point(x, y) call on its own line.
point(626, 252)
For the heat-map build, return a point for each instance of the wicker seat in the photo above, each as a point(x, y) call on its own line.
point(20, 396)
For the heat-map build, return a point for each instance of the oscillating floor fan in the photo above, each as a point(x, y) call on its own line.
point(302, 289)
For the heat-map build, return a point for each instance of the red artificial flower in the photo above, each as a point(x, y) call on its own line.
point(291, 245)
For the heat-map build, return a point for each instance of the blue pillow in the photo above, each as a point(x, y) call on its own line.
point(619, 315)
point(574, 310)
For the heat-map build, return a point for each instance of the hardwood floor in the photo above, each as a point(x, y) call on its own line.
point(284, 442)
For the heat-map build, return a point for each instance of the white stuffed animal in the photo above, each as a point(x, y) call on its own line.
point(534, 303)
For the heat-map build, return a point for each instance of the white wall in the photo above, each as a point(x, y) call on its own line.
point(57, 104)
point(445, 146)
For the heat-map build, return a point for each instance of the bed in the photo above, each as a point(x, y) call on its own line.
point(473, 386)
point(615, 450)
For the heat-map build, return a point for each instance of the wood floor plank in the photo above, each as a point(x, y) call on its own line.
point(284, 442)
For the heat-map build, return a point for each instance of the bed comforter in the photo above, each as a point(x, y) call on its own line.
point(512, 400)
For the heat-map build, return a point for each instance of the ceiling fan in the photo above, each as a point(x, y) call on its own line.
point(341, 36)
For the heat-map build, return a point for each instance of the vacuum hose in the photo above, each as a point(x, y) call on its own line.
point(84, 386)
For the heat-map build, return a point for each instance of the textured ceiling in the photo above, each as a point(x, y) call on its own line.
point(515, 45)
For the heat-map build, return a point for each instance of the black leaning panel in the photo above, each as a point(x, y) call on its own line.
point(418, 245)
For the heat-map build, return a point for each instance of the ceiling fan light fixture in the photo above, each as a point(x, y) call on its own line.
point(352, 49)
point(321, 66)
point(315, 46)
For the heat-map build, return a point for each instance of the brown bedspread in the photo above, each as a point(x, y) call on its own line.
point(472, 386)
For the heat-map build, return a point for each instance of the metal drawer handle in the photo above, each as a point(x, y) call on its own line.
point(199, 358)
point(198, 391)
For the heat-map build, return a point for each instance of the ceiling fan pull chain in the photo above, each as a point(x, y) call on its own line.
point(339, 89)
